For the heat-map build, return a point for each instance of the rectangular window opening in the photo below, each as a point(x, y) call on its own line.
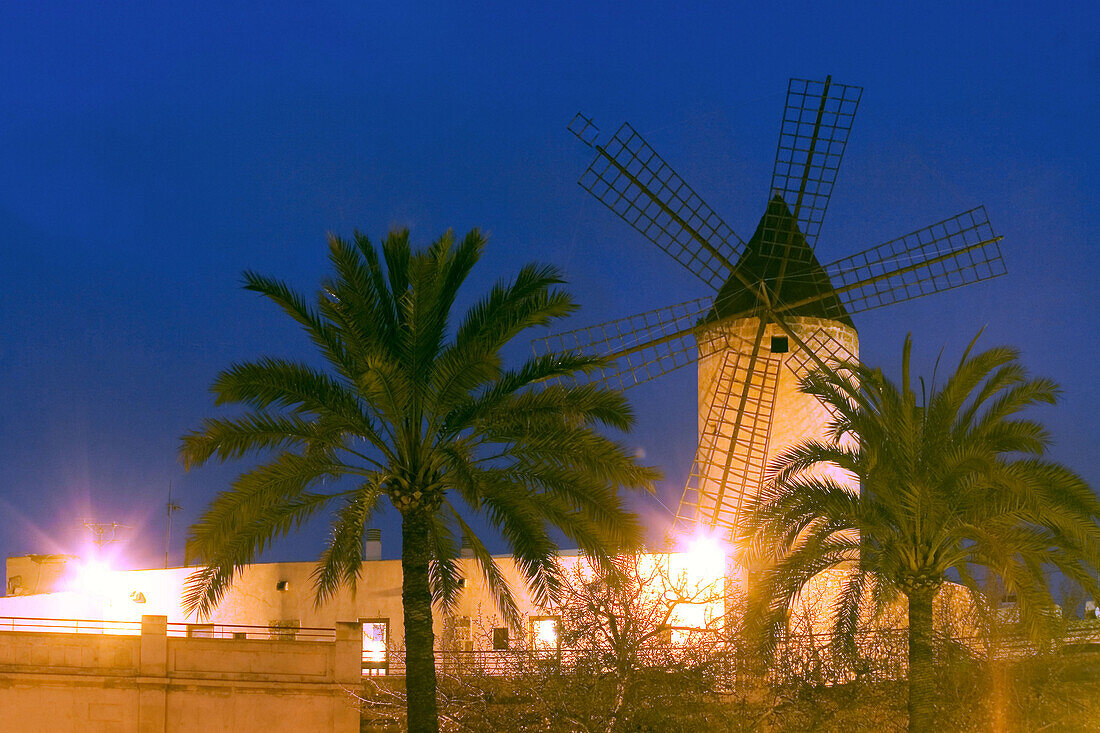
point(376, 633)
point(545, 636)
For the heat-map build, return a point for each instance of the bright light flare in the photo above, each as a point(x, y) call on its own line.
point(374, 647)
point(95, 578)
point(707, 557)
point(700, 568)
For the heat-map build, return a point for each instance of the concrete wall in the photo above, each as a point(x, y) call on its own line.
point(150, 683)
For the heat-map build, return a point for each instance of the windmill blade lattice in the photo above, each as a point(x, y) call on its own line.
point(949, 254)
point(814, 132)
point(630, 178)
point(827, 348)
point(733, 446)
point(643, 346)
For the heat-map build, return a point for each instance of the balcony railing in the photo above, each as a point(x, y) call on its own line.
point(882, 654)
point(242, 631)
point(69, 625)
point(133, 628)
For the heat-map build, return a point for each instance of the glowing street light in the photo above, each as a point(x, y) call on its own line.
point(707, 557)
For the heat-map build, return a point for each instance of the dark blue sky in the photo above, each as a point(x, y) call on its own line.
point(150, 154)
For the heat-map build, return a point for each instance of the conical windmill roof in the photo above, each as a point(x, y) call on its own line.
point(762, 259)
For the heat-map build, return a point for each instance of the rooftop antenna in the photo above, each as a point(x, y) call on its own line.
point(169, 509)
point(103, 533)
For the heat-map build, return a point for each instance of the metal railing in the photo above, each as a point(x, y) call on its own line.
point(518, 661)
point(193, 630)
point(243, 631)
point(881, 654)
point(69, 625)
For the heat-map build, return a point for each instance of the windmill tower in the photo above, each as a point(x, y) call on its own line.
point(774, 312)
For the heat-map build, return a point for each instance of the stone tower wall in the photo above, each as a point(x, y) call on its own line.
point(794, 416)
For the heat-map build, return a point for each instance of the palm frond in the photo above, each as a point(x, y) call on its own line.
point(226, 439)
point(342, 558)
point(238, 546)
point(282, 480)
point(496, 583)
point(953, 480)
point(320, 332)
point(403, 407)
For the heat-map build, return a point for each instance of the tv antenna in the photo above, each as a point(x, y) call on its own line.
point(169, 509)
point(103, 533)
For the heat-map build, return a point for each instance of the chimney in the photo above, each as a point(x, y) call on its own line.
point(466, 550)
point(372, 545)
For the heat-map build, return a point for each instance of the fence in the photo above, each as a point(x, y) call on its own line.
point(881, 653)
point(878, 654)
point(195, 631)
point(69, 625)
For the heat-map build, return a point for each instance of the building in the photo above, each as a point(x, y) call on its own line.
point(276, 600)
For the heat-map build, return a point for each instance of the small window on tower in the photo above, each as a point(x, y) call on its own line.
point(779, 345)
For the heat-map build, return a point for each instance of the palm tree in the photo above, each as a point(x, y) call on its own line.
point(426, 419)
point(952, 482)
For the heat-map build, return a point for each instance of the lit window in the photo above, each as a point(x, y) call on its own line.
point(376, 632)
point(544, 633)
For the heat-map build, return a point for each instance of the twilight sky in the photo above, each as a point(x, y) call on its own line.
point(151, 152)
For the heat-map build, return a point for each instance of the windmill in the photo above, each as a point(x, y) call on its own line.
point(774, 312)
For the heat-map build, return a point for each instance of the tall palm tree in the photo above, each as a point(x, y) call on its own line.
point(428, 418)
point(954, 481)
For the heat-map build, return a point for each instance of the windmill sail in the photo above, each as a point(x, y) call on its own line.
point(957, 251)
point(733, 445)
point(827, 347)
point(817, 119)
point(778, 314)
point(641, 347)
point(630, 178)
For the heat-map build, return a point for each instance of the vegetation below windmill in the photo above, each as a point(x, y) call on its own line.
point(717, 682)
point(955, 483)
point(950, 483)
point(1048, 693)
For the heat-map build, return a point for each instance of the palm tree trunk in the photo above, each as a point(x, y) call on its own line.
point(921, 679)
point(416, 597)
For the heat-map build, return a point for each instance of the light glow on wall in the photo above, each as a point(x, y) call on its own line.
point(707, 557)
point(700, 571)
point(93, 589)
point(95, 578)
